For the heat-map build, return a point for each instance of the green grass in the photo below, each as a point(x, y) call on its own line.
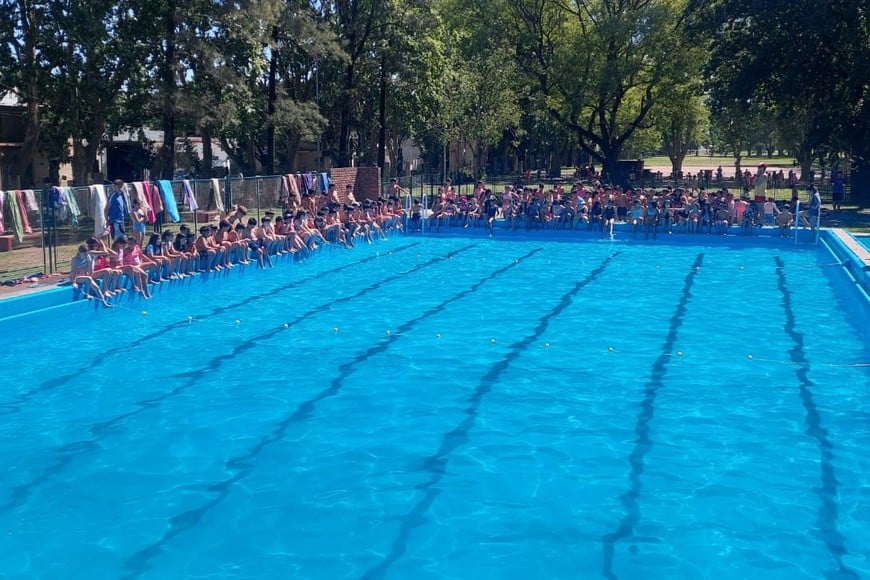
point(726, 161)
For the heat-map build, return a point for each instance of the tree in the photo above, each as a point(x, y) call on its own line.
point(679, 117)
point(24, 73)
point(805, 61)
point(600, 65)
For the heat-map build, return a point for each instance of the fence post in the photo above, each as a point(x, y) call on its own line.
point(258, 199)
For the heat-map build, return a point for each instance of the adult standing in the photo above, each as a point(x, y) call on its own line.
point(116, 211)
point(838, 187)
point(815, 207)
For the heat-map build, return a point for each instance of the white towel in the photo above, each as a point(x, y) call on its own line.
point(30, 200)
point(189, 197)
point(218, 198)
point(97, 209)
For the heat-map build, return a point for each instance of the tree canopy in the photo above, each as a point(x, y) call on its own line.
point(518, 82)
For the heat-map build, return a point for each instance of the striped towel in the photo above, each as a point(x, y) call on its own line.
point(189, 197)
point(14, 215)
point(22, 208)
point(73, 206)
point(30, 200)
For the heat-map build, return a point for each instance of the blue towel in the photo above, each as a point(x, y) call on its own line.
point(169, 200)
point(324, 182)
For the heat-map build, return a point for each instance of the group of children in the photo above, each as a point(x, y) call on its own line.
point(599, 207)
point(104, 270)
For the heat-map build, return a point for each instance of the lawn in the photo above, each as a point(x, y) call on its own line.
point(692, 162)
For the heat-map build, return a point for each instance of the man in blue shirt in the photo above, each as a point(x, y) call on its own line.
point(116, 210)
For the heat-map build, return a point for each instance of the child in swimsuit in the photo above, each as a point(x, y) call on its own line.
point(81, 275)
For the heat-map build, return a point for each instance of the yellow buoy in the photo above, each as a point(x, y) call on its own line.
point(491, 341)
point(749, 356)
point(286, 325)
point(610, 349)
point(679, 353)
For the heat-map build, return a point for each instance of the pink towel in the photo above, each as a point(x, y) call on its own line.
point(2, 223)
point(156, 200)
point(139, 195)
point(22, 207)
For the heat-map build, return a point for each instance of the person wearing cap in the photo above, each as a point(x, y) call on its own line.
point(265, 234)
point(182, 239)
point(256, 248)
point(206, 254)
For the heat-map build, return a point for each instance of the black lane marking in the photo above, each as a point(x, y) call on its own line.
point(436, 464)
point(14, 405)
point(827, 493)
point(631, 499)
point(242, 465)
point(103, 429)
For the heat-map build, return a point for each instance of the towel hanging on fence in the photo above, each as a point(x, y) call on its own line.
point(324, 182)
point(150, 215)
point(307, 182)
point(97, 209)
point(156, 202)
point(14, 215)
point(294, 186)
point(284, 192)
point(22, 207)
point(189, 197)
point(218, 198)
point(30, 200)
point(139, 195)
point(168, 195)
point(73, 205)
point(57, 200)
point(2, 208)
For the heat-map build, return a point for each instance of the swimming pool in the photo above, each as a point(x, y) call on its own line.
point(451, 408)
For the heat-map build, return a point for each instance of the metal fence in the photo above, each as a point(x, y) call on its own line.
point(263, 193)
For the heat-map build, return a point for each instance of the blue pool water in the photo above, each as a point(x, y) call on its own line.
point(450, 408)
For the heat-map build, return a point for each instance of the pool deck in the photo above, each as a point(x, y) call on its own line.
point(855, 258)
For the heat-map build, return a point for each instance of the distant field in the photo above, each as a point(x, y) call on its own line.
point(706, 162)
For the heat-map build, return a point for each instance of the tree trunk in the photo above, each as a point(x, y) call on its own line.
point(207, 151)
point(859, 182)
point(344, 132)
point(167, 74)
point(269, 157)
point(738, 171)
point(382, 114)
point(292, 146)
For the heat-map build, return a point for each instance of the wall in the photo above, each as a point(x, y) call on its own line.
point(366, 181)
